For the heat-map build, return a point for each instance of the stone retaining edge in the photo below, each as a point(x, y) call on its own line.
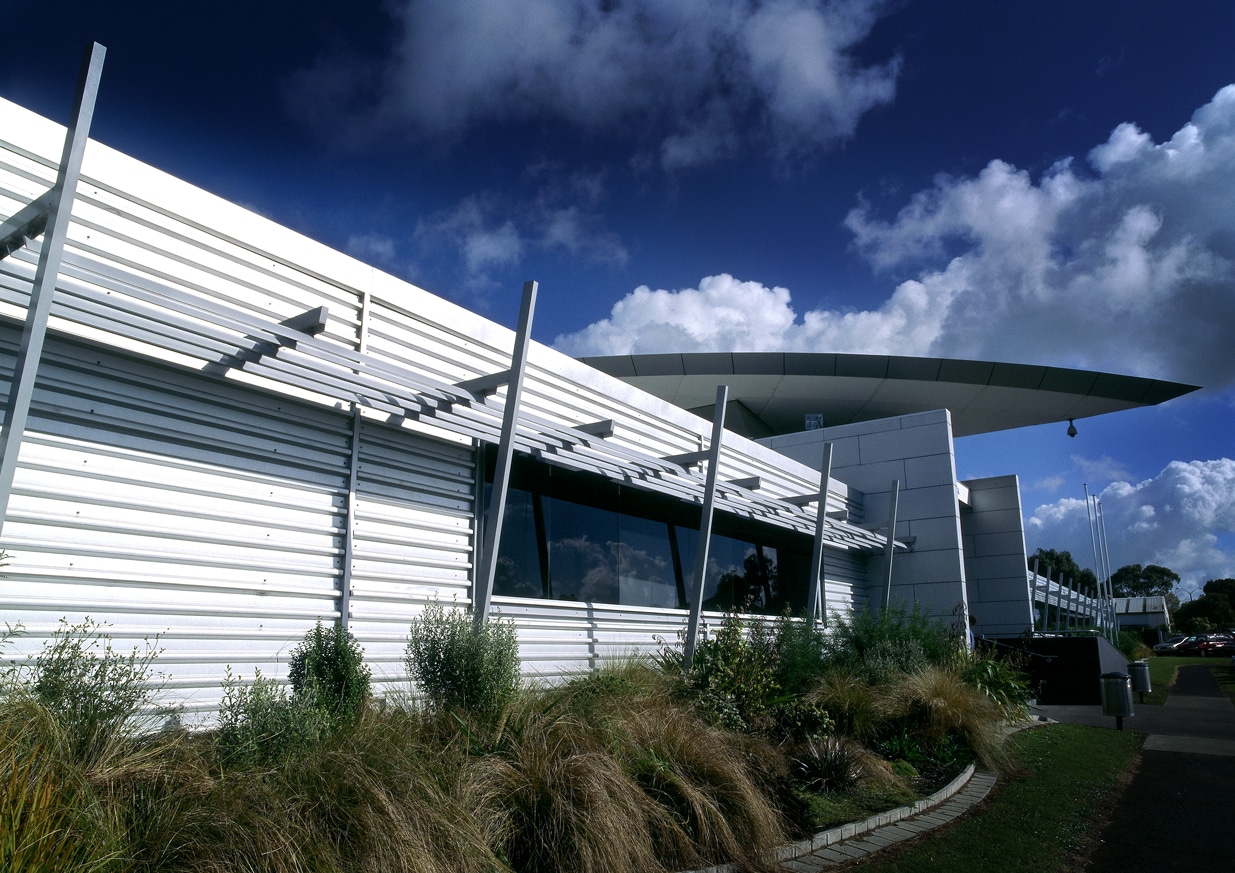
point(838, 834)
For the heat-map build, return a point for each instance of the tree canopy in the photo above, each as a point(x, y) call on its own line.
point(1133, 580)
point(1213, 610)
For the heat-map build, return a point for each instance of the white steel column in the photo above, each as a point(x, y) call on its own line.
point(34, 331)
point(487, 570)
point(817, 608)
point(705, 527)
point(890, 548)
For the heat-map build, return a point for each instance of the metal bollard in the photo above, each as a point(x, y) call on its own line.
point(1117, 697)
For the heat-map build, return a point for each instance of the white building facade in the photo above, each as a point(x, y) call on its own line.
point(236, 432)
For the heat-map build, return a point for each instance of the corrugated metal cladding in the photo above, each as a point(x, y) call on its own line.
point(166, 492)
point(413, 538)
point(173, 505)
point(846, 576)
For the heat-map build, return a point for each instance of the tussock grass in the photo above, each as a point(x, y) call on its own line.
point(857, 707)
point(940, 704)
point(611, 772)
point(48, 821)
point(371, 797)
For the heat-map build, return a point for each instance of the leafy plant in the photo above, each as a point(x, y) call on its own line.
point(260, 724)
point(1002, 682)
point(882, 644)
point(459, 665)
point(95, 693)
point(327, 669)
point(734, 672)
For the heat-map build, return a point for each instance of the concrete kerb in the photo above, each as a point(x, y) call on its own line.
point(840, 834)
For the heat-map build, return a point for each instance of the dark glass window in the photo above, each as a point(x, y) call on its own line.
point(577, 537)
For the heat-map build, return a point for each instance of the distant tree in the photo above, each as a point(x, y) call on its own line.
point(1063, 563)
point(1221, 588)
point(1134, 580)
point(1213, 610)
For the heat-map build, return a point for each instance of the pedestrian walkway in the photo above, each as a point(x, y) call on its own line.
point(1176, 813)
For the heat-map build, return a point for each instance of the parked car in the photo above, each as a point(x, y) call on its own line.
point(1218, 644)
point(1206, 644)
point(1167, 646)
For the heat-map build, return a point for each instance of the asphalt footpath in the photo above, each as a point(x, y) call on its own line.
point(1178, 813)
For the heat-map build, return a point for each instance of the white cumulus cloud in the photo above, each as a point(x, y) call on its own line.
point(727, 314)
point(1183, 518)
point(1126, 266)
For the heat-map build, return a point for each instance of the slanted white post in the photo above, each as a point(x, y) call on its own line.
point(817, 608)
point(34, 331)
point(1033, 599)
point(705, 528)
point(891, 544)
point(483, 593)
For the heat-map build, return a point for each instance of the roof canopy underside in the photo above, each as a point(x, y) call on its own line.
point(778, 389)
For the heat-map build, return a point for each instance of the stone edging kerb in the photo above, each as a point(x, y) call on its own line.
point(830, 837)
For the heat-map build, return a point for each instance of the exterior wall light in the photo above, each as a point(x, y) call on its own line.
point(1071, 428)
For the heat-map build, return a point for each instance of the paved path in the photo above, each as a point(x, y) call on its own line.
point(1179, 811)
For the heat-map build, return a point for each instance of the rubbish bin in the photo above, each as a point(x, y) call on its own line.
point(1140, 677)
point(1117, 697)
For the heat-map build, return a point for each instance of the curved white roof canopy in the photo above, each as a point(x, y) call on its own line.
point(772, 392)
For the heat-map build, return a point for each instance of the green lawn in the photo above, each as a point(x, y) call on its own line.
point(1040, 818)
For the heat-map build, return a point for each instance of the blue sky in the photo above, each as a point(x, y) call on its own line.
point(1025, 180)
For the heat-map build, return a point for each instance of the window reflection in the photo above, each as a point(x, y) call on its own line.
point(562, 545)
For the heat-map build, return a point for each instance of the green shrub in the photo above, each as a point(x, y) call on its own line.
point(734, 673)
point(1131, 645)
point(1001, 681)
point(880, 645)
point(260, 724)
point(96, 694)
point(458, 665)
point(800, 659)
point(327, 669)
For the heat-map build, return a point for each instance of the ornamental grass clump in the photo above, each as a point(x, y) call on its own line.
point(937, 707)
point(610, 772)
point(48, 818)
point(75, 737)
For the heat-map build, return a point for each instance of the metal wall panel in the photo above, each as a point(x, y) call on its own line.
point(196, 505)
point(413, 539)
point(173, 505)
